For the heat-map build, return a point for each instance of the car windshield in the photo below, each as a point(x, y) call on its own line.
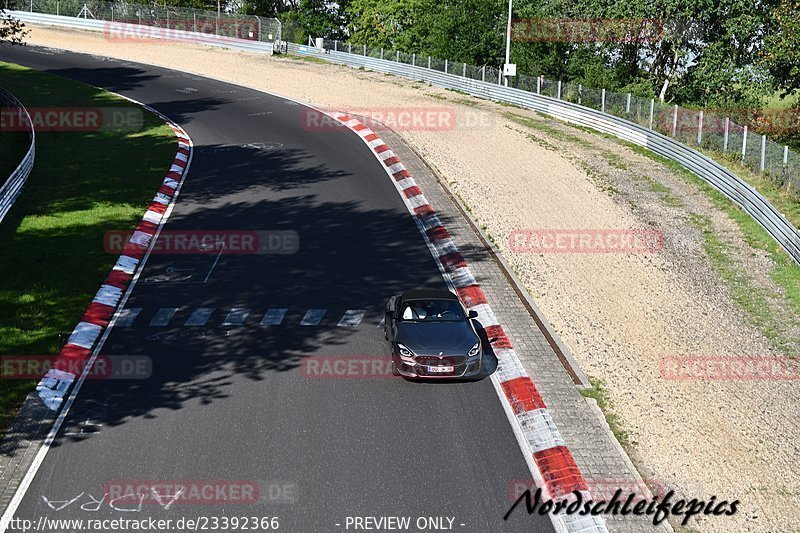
point(431, 311)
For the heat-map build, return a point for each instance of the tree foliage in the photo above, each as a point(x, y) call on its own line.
point(12, 31)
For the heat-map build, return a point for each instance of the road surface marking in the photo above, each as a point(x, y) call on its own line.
point(313, 317)
point(163, 316)
point(352, 318)
point(127, 316)
point(199, 317)
point(236, 317)
point(273, 317)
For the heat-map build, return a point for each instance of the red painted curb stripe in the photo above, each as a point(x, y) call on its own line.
point(98, 313)
point(522, 395)
point(561, 474)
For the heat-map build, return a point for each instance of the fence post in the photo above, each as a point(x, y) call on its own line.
point(652, 105)
point(381, 53)
point(414, 59)
point(558, 94)
point(675, 120)
point(31, 6)
point(445, 66)
point(167, 18)
point(725, 138)
point(464, 71)
point(603, 100)
point(58, 6)
point(580, 93)
point(538, 85)
point(429, 62)
point(349, 48)
point(744, 144)
point(397, 56)
point(700, 128)
point(499, 76)
point(335, 46)
point(365, 49)
point(785, 155)
point(483, 73)
point(112, 12)
point(763, 152)
point(628, 104)
point(194, 19)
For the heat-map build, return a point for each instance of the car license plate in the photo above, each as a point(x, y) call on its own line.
point(440, 369)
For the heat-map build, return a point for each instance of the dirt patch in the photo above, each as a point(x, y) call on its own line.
point(621, 314)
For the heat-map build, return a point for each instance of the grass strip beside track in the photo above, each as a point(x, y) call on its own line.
point(13, 147)
point(84, 183)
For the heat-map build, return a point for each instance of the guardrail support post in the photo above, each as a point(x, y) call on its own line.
point(763, 152)
point(700, 128)
point(744, 144)
point(675, 121)
point(603, 100)
point(558, 95)
point(628, 104)
point(652, 105)
point(580, 93)
point(785, 155)
point(725, 137)
point(445, 66)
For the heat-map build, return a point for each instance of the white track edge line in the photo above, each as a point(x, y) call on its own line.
point(22, 489)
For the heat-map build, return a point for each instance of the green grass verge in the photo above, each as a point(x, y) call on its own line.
point(83, 184)
point(600, 395)
point(13, 147)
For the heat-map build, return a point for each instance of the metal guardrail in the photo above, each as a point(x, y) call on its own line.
point(725, 181)
point(728, 183)
point(120, 30)
point(13, 185)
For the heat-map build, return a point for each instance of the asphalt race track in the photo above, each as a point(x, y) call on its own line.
point(232, 402)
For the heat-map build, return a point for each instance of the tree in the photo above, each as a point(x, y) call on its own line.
point(11, 30)
point(781, 53)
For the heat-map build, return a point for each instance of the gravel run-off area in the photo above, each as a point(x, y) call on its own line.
point(621, 314)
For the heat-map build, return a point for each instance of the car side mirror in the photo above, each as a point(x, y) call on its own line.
point(472, 314)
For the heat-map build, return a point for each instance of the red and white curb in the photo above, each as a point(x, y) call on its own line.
point(55, 384)
point(551, 463)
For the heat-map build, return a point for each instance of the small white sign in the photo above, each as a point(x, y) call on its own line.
point(510, 69)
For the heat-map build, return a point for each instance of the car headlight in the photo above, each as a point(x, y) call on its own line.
point(475, 350)
point(404, 351)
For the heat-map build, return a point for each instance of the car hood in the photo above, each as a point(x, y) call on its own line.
point(430, 338)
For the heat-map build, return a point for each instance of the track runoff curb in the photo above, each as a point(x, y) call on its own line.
point(550, 461)
point(98, 319)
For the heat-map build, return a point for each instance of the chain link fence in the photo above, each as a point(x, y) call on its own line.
point(165, 18)
point(716, 132)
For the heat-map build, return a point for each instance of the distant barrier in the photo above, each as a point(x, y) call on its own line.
point(728, 183)
point(12, 187)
